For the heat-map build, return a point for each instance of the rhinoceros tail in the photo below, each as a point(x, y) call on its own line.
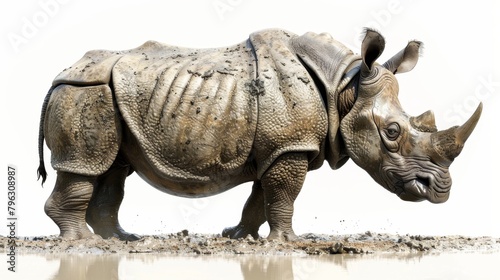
point(41, 168)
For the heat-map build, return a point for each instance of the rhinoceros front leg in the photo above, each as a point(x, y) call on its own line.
point(252, 217)
point(68, 203)
point(281, 184)
point(272, 200)
point(102, 212)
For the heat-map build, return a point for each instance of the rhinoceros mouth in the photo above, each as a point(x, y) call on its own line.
point(416, 180)
point(423, 188)
point(415, 190)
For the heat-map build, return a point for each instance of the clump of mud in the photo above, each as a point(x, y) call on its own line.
point(184, 243)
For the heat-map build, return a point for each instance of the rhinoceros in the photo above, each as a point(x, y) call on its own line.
point(197, 122)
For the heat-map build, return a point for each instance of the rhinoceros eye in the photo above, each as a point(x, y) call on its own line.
point(392, 131)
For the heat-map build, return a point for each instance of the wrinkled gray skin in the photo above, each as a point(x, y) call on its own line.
point(197, 122)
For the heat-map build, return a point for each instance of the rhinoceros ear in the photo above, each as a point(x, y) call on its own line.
point(406, 59)
point(371, 48)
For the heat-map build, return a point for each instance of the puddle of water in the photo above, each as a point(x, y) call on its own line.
point(474, 265)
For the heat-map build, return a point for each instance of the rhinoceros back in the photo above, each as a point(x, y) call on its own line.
point(188, 109)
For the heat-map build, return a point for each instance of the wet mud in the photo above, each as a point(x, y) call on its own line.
point(185, 243)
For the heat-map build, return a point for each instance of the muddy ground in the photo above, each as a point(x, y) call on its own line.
point(185, 243)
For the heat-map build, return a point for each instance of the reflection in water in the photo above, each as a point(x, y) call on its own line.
point(266, 268)
point(460, 265)
point(79, 266)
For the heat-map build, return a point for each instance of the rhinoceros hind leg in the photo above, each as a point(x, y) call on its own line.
point(68, 202)
point(282, 183)
point(102, 213)
point(252, 218)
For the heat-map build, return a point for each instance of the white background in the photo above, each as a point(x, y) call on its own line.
point(458, 69)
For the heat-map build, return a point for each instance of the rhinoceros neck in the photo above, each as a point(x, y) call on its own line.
point(347, 97)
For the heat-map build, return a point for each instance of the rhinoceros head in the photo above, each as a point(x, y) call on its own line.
point(406, 155)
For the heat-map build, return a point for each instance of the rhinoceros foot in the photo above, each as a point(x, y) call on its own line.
point(282, 235)
point(118, 233)
point(240, 231)
point(78, 234)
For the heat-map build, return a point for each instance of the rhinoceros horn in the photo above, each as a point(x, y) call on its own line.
point(425, 122)
point(449, 143)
